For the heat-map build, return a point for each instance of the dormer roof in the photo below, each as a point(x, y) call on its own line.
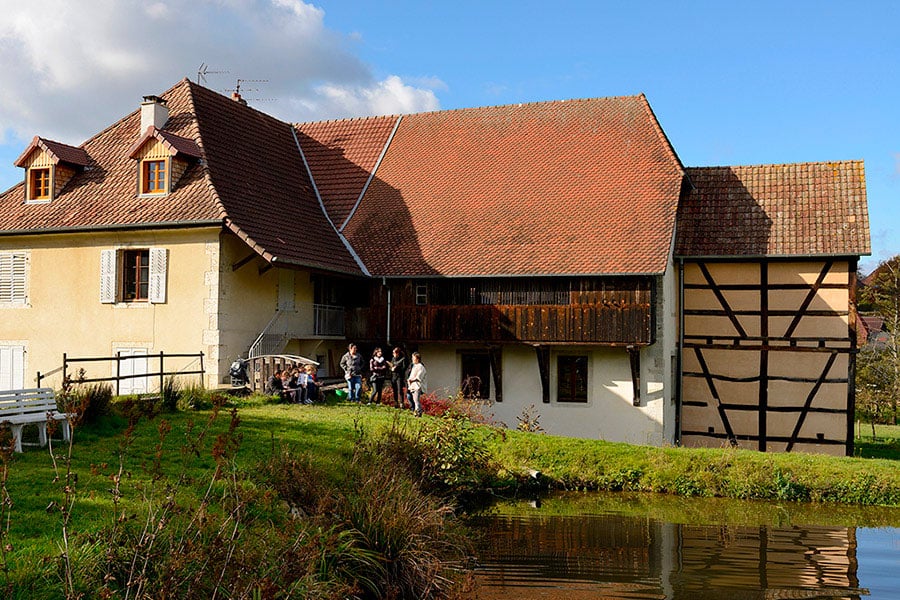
point(57, 151)
point(174, 144)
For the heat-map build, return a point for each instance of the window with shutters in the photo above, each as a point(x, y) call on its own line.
point(133, 275)
point(12, 277)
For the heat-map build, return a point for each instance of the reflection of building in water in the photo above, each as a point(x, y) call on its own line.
point(609, 556)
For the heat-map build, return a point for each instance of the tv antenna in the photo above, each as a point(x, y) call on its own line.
point(203, 70)
point(236, 92)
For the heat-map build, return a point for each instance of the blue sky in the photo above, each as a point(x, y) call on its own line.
point(731, 83)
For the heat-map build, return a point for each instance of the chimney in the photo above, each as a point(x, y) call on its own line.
point(236, 96)
point(153, 112)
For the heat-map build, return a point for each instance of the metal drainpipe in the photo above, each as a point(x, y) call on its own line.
point(388, 327)
point(679, 381)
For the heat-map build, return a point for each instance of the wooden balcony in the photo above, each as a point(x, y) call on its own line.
point(540, 324)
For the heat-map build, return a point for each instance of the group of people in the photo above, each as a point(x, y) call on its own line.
point(297, 385)
point(408, 378)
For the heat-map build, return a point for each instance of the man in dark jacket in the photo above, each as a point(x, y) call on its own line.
point(399, 365)
point(351, 363)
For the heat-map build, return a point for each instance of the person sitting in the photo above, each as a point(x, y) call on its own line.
point(274, 385)
point(311, 392)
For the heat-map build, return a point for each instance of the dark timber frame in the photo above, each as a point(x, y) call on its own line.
point(769, 345)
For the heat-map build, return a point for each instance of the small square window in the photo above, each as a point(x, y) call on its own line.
point(39, 184)
point(476, 375)
point(572, 379)
point(153, 177)
point(421, 295)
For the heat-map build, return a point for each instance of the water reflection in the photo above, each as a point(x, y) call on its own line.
point(551, 553)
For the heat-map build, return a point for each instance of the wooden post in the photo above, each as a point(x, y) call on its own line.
point(634, 357)
point(851, 362)
point(543, 359)
point(202, 373)
point(762, 423)
point(64, 369)
point(161, 373)
point(496, 359)
point(118, 370)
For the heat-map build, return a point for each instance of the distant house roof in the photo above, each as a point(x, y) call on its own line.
point(806, 209)
point(554, 188)
point(57, 151)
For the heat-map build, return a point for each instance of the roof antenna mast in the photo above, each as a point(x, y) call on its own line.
point(203, 70)
point(236, 92)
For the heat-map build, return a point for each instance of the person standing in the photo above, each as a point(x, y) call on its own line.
point(351, 363)
point(399, 364)
point(417, 382)
point(378, 366)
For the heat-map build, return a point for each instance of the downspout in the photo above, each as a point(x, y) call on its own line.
point(679, 381)
point(388, 326)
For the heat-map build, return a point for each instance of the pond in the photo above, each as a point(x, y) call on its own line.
point(639, 546)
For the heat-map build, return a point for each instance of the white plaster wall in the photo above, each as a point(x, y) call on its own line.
point(609, 413)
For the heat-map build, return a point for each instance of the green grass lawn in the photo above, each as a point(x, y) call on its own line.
point(156, 458)
point(885, 444)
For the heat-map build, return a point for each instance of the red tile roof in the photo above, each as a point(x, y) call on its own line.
point(175, 144)
point(570, 187)
point(253, 181)
point(342, 156)
point(257, 173)
point(579, 187)
point(58, 151)
point(806, 209)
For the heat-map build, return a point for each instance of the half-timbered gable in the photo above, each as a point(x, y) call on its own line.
point(768, 266)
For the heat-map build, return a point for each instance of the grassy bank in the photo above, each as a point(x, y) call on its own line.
point(348, 485)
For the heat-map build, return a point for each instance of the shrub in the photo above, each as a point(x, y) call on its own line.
point(194, 397)
point(93, 401)
point(170, 393)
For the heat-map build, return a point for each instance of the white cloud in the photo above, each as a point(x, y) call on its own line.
point(69, 76)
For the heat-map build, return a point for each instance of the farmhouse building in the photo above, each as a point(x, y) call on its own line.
point(559, 252)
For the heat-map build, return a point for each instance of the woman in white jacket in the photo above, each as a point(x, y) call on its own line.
point(416, 383)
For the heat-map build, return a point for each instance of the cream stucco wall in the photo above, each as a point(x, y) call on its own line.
point(64, 313)
point(609, 413)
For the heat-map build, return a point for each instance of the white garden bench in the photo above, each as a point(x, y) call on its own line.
point(19, 408)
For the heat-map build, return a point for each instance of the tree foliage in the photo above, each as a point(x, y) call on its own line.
point(878, 367)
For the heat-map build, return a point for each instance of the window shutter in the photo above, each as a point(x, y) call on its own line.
point(12, 367)
point(158, 260)
point(107, 276)
point(12, 277)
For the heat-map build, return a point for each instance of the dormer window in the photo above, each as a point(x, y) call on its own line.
point(48, 168)
point(162, 158)
point(39, 184)
point(153, 175)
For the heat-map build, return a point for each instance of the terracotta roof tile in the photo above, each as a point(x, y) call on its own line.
point(58, 151)
point(570, 187)
point(805, 209)
point(251, 178)
point(342, 155)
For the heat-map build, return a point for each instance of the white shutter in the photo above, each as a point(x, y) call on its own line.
point(12, 367)
point(12, 277)
point(132, 366)
point(107, 276)
point(158, 266)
